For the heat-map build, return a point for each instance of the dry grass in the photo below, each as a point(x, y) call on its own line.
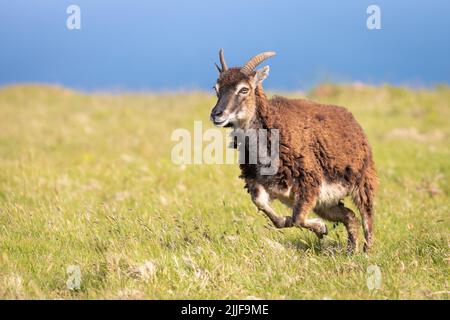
point(87, 180)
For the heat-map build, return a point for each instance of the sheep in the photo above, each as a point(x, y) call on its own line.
point(324, 154)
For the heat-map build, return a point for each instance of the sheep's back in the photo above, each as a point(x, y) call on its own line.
point(325, 137)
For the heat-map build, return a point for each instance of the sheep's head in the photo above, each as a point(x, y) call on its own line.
point(235, 91)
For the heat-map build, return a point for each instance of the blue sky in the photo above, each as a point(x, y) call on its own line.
point(172, 44)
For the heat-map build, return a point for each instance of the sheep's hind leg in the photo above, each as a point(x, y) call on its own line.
point(301, 209)
point(340, 213)
point(363, 199)
point(261, 199)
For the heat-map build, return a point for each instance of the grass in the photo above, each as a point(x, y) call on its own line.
point(87, 181)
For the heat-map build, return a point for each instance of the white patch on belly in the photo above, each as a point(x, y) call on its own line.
point(331, 193)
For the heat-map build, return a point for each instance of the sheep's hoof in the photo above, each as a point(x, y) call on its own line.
point(366, 248)
point(283, 222)
point(288, 222)
point(352, 247)
point(322, 231)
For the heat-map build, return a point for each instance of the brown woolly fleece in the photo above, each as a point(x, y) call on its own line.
point(318, 142)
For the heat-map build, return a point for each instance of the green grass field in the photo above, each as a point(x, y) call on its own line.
point(88, 181)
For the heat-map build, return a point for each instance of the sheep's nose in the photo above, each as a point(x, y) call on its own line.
point(218, 113)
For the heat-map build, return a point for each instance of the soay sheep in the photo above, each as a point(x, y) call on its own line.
point(324, 154)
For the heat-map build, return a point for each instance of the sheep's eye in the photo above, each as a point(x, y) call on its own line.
point(243, 91)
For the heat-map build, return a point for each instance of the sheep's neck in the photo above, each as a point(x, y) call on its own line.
point(259, 120)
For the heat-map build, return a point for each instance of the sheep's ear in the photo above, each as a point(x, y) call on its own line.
point(261, 74)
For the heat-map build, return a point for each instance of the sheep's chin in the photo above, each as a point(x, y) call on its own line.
point(222, 123)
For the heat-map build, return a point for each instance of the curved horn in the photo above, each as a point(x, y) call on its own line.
point(251, 64)
point(222, 61)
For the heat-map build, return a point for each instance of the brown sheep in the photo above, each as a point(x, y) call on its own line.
point(324, 154)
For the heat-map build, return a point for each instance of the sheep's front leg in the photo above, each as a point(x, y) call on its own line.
point(302, 207)
point(261, 199)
